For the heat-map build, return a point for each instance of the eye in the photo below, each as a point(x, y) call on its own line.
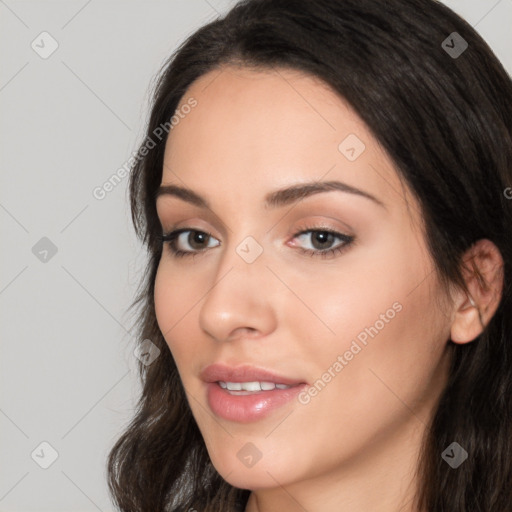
point(322, 242)
point(185, 241)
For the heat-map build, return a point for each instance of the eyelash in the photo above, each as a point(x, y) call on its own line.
point(348, 240)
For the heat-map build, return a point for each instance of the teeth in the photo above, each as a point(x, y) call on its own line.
point(251, 386)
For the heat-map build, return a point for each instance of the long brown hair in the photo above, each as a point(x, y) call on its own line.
point(446, 122)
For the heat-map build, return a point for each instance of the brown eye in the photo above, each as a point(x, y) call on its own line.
point(323, 242)
point(185, 241)
point(322, 239)
point(197, 239)
point(192, 240)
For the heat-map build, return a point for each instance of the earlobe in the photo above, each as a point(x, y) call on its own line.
point(483, 274)
point(466, 326)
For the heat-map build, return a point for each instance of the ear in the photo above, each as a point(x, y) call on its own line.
point(483, 273)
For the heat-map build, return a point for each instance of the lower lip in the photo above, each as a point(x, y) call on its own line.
point(248, 408)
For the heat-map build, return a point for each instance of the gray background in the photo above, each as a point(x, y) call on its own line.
point(68, 122)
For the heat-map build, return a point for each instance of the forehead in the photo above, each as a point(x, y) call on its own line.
point(281, 109)
point(253, 130)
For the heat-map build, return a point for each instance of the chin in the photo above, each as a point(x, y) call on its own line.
point(252, 479)
point(263, 474)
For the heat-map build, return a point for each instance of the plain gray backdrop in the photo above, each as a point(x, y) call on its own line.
point(74, 83)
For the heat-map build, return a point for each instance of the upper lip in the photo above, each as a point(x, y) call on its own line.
point(244, 373)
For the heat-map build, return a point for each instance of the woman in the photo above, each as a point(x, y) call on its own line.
point(326, 214)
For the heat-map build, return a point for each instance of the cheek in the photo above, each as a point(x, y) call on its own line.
point(338, 303)
point(378, 312)
point(177, 298)
point(166, 305)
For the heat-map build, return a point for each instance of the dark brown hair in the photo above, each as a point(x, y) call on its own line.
point(446, 122)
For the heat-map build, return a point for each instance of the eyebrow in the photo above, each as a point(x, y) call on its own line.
point(278, 198)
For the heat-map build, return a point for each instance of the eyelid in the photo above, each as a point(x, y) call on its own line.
point(171, 235)
point(325, 222)
point(188, 216)
point(321, 224)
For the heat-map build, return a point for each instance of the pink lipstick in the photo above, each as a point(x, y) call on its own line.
point(245, 393)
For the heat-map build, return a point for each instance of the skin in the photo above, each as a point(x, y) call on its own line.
point(355, 445)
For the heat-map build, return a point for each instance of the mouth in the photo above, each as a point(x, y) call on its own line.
point(246, 394)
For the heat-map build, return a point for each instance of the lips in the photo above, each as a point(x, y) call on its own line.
point(245, 373)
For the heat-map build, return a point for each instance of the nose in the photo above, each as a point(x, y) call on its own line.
point(239, 301)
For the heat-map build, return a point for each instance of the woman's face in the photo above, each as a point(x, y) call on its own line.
point(354, 317)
